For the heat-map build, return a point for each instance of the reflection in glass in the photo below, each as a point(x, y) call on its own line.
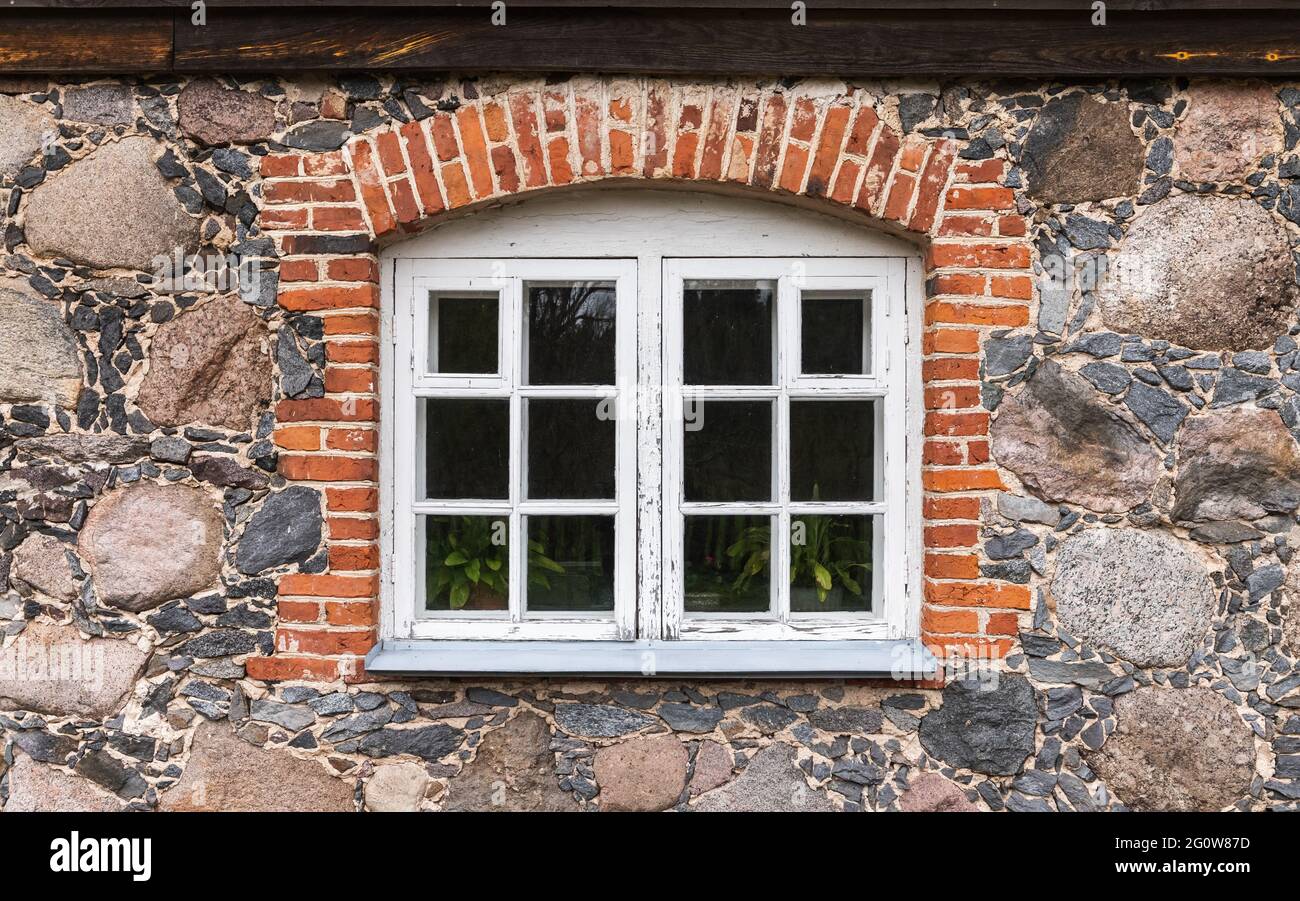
point(727, 329)
point(570, 563)
point(830, 563)
point(467, 448)
point(728, 451)
point(834, 334)
point(728, 564)
point(571, 334)
point(463, 334)
point(831, 451)
point(570, 449)
point(467, 562)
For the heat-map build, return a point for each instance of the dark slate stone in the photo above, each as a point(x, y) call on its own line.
point(1107, 377)
point(1007, 547)
point(226, 472)
point(490, 698)
point(1080, 149)
point(175, 619)
point(1264, 581)
point(599, 720)
point(989, 730)
point(286, 530)
point(104, 769)
point(1225, 533)
point(427, 742)
point(220, 643)
point(1237, 387)
point(689, 718)
point(915, 108)
point(1061, 702)
point(1003, 356)
point(1160, 413)
point(1097, 344)
point(1088, 674)
point(768, 718)
point(318, 135)
point(170, 449)
point(1085, 233)
point(45, 746)
point(847, 720)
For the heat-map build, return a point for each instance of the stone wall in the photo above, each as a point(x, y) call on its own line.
point(1129, 559)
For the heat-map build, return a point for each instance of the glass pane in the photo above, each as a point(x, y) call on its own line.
point(467, 563)
point(835, 339)
point(571, 333)
point(570, 563)
point(570, 448)
point(831, 455)
point(728, 450)
point(728, 564)
point(830, 564)
point(467, 448)
point(463, 334)
point(727, 328)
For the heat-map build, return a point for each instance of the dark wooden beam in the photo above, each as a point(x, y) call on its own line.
point(814, 6)
point(710, 40)
point(720, 42)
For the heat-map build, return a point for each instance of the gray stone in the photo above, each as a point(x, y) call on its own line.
point(427, 742)
point(81, 448)
point(647, 773)
point(689, 718)
point(768, 718)
point(1156, 409)
point(1225, 533)
point(295, 719)
point(772, 782)
point(110, 209)
point(396, 788)
point(1202, 271)
point(24, 128)
point(1177, 749)
point(286, 530)
point(1107, 377)
point(1003, 356)
point(1236, 464)
point(147, 544)
point(39, 358)
point(36, 788)
point(225, 773)
point(1082, 149)
point(713, 765)
point(1237, 387)
point(1139, 594)
point(513, 769)
point(295, 372)
point(45, 747)
point(209, 365)
point(1027, 509)
point(599, 720)
point(318, 135)
point(170, 449)
point(930, 793)
point(102, 104)
point(982, 728)
point(220, 643)
point(217, 115)
point(55, 671)
point(1088, 673)
point(41, 563)
point(847, 720)
point(1228, 127)
point(1066, 444)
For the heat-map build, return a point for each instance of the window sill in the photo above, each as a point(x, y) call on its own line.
point(895, 658)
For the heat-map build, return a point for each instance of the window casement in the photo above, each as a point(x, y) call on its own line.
point(600, 447)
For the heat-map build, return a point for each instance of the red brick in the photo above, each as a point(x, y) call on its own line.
point(954, 424)
point(656, 130)
point(871, 194)
point(404, 205)
point(352, 500)
point(973, 314)
point(715, 137)
point(524, 117)
point(503, 163)
point(961, 480)
point(982, 256)
point(494, 119)
point(284, 668)
point(828, 150)
point(426, 183)
point(352, 324)
point(354, 614)
point(330, 297)
point(453, 179)
point(622, 158)
point(298, 271)
point(961, 197)
point(793, 168)
point(390, 153)
point(360, 380)
point(325, 468)
point(352, 352)
point(324, 641)
point(557, 153)
point(803, 123)
point(952, 566)
point(978, 594)
point(949, 621)
point(323, 585)
point(946, 369)
point(300, 438)
point(278, 166)
point(933, 179)
point(952, 397)
point(372, 189)
point(326, 409)
point(951, 536)
point(352, 269)
point(331, 163)
point(587, 112)
point(864, 126)
point(444, 137)
point(292, 611)
point(476, 153)
point(769, 141)
point(951, 508)
point(337, 219)
point(347, 528)
point(352, 440)
point(951, 341)
point(353, 558)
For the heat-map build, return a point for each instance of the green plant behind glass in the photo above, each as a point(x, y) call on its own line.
point(465, 557)
point(825, 560)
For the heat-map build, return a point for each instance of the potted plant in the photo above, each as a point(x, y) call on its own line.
point(469, 570)
point(827, 563)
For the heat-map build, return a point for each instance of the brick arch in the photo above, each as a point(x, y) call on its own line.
point(331, 212)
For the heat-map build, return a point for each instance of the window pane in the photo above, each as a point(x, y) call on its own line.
point(835, 334)
point(728, 564)
point(831, 450)
point(727, 328)
point(467, 562)
point(571, 334)
point(728, 450)
point(830, 564)
point(570, 448)
point(463, 334)
point(467, 448)
point(570, 563)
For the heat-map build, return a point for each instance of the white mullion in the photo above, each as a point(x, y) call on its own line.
point(626, 305)
point(673, 543)
point(787, 357)
point(513, 324)
point(651, 425)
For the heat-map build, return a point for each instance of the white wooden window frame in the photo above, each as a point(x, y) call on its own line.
point(643, 234)
point(883, 281)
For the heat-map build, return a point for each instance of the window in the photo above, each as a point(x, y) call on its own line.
point(602, 445)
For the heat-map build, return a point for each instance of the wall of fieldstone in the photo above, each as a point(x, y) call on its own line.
point(1145, 424)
